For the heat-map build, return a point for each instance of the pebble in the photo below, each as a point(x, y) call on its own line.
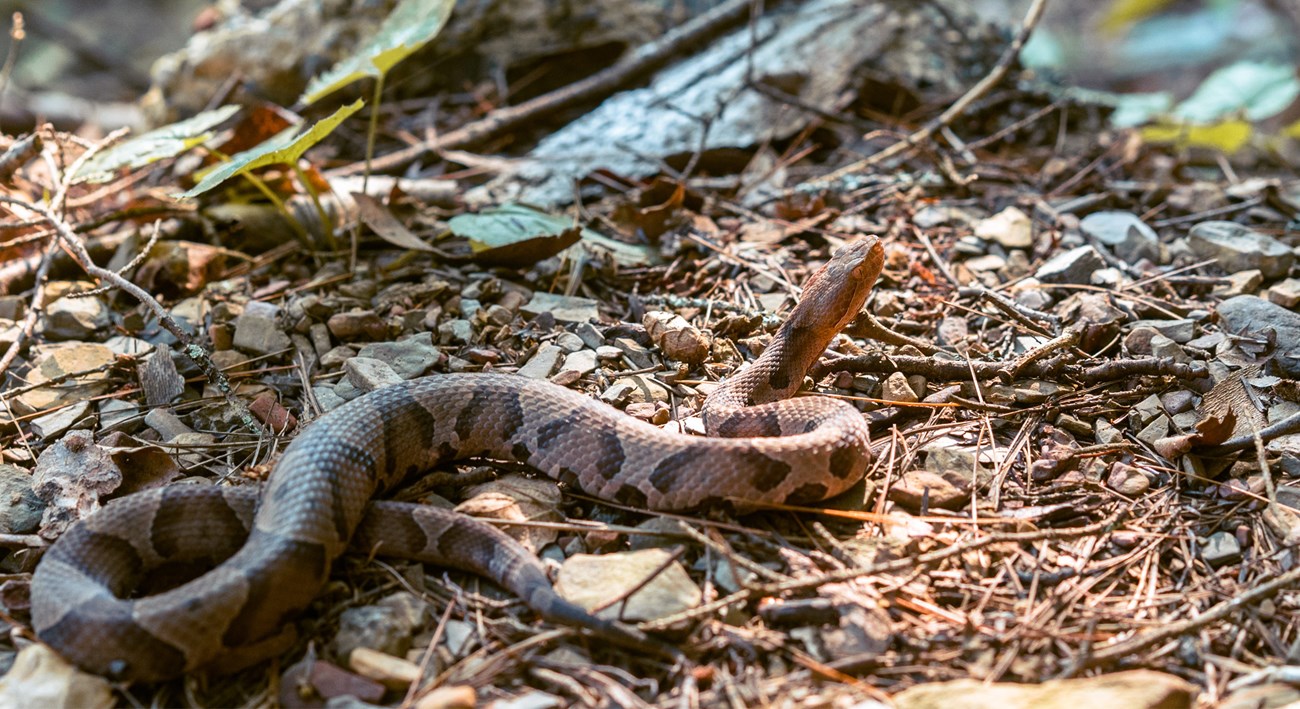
point(1164, 347)
point(320, 338)
point(1285, 293)
point(1074, 266)
point(391, 671)
point(1220, 549)
point(75, 319)
point(542, 363)
point(582, 362)
point(367, 374)
point(498, 315)
point(1134, 689)
point(985, 263)
point(563, 307)
point(918, 489)
point(386, 626)
point(410, 356)
point(337, 356)
point(1105, 432)
point(664, 532)
point(20, 508)
point(1011, 228)
point(678, 339)
point(456, 331)
point(608, 353)
point(327, 398)
point(1177, 401)
point(592, 580)
point(166, 424)
point(119, 415)
point(256, 329)
point(1181, 331)
point(1154, 431)
point(56, 423)
point(1138, 340)
point(590, 336)
point(953, 331)
point(1237, 248)
point(356, 325)
point(897, 388)
point(1127, 236)
point(643, 389)
point(1128, 480)
point(1254, 316)
point(569, 342)
point(637, 355)
point(12, 307)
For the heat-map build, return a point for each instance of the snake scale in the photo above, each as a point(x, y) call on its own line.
point(270, 554)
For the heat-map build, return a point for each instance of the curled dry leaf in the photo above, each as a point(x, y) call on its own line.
point(515, 497)
point(1211, 431)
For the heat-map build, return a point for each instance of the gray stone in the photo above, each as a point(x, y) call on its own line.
point(1154, 431)
point(1127, 236)
point(327, 398)
point(591, 337)
point(1128, 480)
point(166, 424)
point(1253, 316)
point(897, 388)
point(1138, 340)
point(662, 587)
point(1105, 432)
point(256, 330)
point(1177, 401)
point(569, 342)
point(119, 415)
point(457, 331)
point(664, 532)
point(386, 626)
point(953, 331)
point(368, 374)
point(636, 354)
point(1148, 409)
point(75, 318)
point(583, 362)
point(542, 363)
point(1241, 283)
point(1238, 248)
point(129, 346)
point(337, 356)
point(410, 356)
point(643, 389)
point(1181, 331)
point(1164, 347)
point(1221, 548)
point(1011, 228)
point(20, 508)
point(469, 308)
point(1073, 266)
point(608, 353)
point(565, 308)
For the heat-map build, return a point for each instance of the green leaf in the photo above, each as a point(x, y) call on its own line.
point(410, 26)
point(285, 148)
point(165, 142)
point(1226, 136)
point(517, 235)
point(1251, 89)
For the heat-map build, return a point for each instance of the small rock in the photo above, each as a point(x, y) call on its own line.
point(119, 415)
point(40, 678)
point(618, 392)
point(268, 409)
point(986, 263)
point(385, 627)
point(582, 362)
point(1285, 293)
point(337, 356)
point(1128, 480)
point(643, 389)
point(608, 353)
point(677, 338)
point(55, 361)
point(327, 398)
point(1011, 228)
point(367, 374)
point(462, 696)
point(589, 335)
point(330, 681)
point(1163, 347)
point(916, 490)
point(569, 342)
point(1177, 401)
point(1181, 331)
point(20, 508)
point(1127, 236)
point(456, 331)
point(542, 363)
point(56, 423)
point(953, 331)
point(1253, 316)
point(563, 307)
point(1154, 431)
point(320, 338)
point(1138, 340)
point(357, 325)
point(256, 330)
point(635, 353)
point(75, 318)
point(591, 581)
point(410, 356)
point(1220, 549)
point(1073, 266)
point(664, 531)
point(1241, 283)
point(497, 314)
point(897, 388)
point(1106, 433)
point(1237, 248)
point(166, 423)
point(392, 672)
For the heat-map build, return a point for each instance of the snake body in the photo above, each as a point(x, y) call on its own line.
point(275, 550)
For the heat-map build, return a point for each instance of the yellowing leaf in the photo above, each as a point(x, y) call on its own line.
point(283, 149)
point(165, 142)
point(1227, 136)
point(410, 26)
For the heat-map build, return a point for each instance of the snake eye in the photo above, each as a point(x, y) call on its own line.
point(117, 669)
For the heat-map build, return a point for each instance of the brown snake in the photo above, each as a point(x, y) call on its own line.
point(273, 552)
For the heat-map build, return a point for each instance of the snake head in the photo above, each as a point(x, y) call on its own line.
point(841, 286)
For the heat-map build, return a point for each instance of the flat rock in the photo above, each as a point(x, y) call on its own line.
point(386, 626)
point(75, 319)
point(357, 325)
point(1220, 549)
point(20, 508)
point(1181, 330)
point(411, 356)
point(1127, 236)
point(367, 374)
point(458, 331)
point(119, 415)
point(1073, 266)
point(565, 308)
point(591, 581)
point(1011, 228)
point(1251, 315)
point(256, 330)
point(1128, 480)
point(897, 388)
point(1285, 293)
point(55, 423)
point(1238, 248)
point(58, 360)
point(581, 362)
point(1136, 689)
point(542, 363)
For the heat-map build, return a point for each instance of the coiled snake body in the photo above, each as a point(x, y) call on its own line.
point(763, 447)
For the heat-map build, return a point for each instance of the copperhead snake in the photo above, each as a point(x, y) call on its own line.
point(275, 549)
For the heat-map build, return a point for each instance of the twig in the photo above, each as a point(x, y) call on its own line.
point(999, 71)
point(652, 55)
point(1290, 424)
point(20, 152)
point(33, 310)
